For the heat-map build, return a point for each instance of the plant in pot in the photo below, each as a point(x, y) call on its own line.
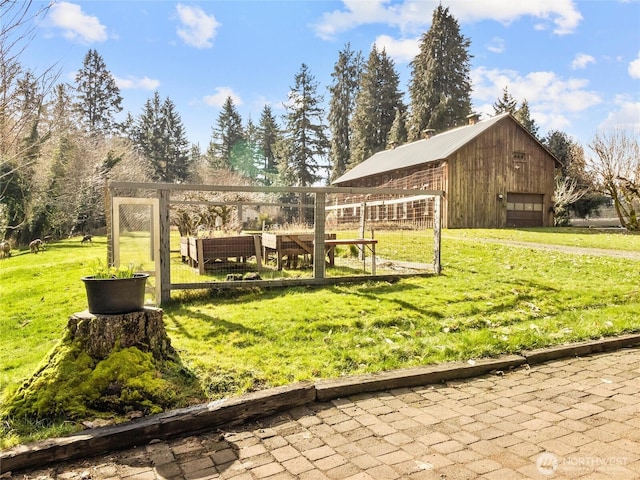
point(114, 291)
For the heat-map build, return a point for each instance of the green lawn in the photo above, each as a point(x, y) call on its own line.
point(572, 237)
point(490, 299)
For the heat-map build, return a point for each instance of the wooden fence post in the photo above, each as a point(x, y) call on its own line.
point(319, 217)
point(108, 212)
point(363, 221)
point(164, 275)
point(437, 235)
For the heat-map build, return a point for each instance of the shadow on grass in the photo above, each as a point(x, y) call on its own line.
point(217, 324)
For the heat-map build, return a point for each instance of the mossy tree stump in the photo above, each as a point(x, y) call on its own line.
point(98, 335)
point(106, 366)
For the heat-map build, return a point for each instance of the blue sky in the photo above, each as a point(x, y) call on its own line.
point(577, 63)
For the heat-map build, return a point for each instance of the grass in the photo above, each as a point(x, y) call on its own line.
point(572, 237)
point(491, 299)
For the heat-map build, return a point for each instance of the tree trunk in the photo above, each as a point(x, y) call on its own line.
point(98, 334)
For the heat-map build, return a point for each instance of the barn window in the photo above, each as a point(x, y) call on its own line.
point(520, 161)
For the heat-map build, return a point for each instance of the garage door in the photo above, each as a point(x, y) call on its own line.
point(524, 209)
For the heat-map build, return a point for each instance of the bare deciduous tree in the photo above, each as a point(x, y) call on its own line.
point(20, 104)
point(566, 193)
point(617, 168)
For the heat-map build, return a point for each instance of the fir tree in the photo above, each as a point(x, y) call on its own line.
point(179, 163)
point(268, 136)
point(523, 115)
point(305, 133)
point(506, 103)
point(346, 79)
point(160, 137)
point(61, 113)
point(225, 135)
point(398, 133)
point(195, 154)
point(245, 153)
point(378, 100)
point(98, 97)
point(440, 86)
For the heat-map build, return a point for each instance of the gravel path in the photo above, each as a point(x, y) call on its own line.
point(599, 252)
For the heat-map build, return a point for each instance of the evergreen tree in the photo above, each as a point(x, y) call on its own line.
point(268, 136)
point(245, 154)
point(398, 133)
point(305, 132)
point(523, 115)
point(573, 167)
point(346, 79)
point(378, 100)
point(506, 103)
point(195, 155)
point(178, 164)
point(225, 135)
point(159, 136)
point(61, 112)
point(98, 97)
point(440, 86)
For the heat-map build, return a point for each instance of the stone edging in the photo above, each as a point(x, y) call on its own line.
point(188, 421)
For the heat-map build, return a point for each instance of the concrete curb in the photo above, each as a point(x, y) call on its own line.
point(213, 415)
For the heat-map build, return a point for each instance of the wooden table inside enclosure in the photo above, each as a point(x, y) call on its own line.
point(291, 245)
point(369, 243)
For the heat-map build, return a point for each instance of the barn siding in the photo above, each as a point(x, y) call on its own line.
point(485, 168)
point(477, 173)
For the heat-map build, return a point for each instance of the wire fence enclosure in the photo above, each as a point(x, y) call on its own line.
point(216, 236)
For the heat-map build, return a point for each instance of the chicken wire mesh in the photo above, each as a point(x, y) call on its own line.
point(232, 237)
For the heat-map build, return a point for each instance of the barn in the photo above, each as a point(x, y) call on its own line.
point(494, 173)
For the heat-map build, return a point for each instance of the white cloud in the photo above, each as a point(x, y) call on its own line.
point(562, 13)
point(552, 99)
point(144, 83)
point(221, 95)
point(196, 29)
point(402, 51)
point(581, 61)
point(412, 16)
point(634, 68)
point(356, 13)
point(77, 26)
point(626, 116)
point(496, 45)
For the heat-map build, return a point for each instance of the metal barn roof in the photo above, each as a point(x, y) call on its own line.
point(435, 148)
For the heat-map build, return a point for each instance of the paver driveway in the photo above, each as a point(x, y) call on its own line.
point(574, 418)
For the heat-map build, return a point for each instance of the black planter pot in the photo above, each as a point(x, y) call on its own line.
point(113, 296)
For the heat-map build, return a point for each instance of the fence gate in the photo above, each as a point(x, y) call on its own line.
point(135, 230)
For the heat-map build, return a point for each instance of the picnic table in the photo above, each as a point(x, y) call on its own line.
point(362, 243)
point(291, 245)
